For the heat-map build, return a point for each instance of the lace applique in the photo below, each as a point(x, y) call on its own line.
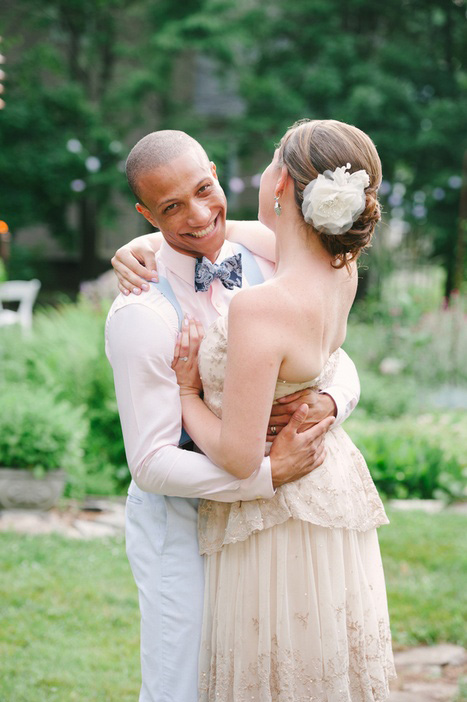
point(359, 671)
point(338, 494)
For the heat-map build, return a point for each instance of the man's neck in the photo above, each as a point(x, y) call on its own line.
point(211, 257)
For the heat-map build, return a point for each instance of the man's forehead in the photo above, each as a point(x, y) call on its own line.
point(179, 174)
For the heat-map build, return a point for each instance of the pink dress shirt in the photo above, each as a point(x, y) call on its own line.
point(140, 335)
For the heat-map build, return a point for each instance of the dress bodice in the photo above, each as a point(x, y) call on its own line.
point(340, 493)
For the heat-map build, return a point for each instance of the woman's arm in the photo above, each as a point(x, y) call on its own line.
point(135, 261)
point(254, 357)
point(254, 236)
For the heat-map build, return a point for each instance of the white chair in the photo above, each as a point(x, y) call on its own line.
point(24, 292)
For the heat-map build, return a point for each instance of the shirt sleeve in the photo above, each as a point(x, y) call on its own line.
point(345, 390)
point(140, 345)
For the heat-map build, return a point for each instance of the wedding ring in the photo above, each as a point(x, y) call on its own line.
point(183, 358)
point(273, 430)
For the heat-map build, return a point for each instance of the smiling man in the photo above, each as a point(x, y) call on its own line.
point(177, 190)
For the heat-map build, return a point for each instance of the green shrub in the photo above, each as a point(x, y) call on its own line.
point(65, 355)
point(430, 350)
point(417, 457)
point(385, 397)
point(41, 433)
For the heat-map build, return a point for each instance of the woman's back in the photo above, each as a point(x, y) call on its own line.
point(311, 302)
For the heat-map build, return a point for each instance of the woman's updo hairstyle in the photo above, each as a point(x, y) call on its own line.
point(311, 147)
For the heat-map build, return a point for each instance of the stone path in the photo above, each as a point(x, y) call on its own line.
point(430, 674)
point(425, 674)
point(93, 519)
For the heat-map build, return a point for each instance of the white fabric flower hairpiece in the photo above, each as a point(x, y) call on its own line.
point(335, 199)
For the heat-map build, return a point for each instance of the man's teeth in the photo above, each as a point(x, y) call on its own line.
point(203, 232)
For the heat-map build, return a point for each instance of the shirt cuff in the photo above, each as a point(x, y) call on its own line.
point(259, 484)
point(343, 404)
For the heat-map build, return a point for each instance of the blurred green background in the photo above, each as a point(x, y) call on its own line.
point(84, 79)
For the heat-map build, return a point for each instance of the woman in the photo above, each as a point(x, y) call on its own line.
point(295, 602)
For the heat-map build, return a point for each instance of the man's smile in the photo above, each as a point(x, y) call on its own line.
point(204, 232)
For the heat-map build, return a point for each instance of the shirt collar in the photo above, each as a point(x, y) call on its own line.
point(184, 266)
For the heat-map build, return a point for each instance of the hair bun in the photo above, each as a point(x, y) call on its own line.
point(349, 245)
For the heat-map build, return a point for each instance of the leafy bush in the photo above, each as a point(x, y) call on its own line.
point(65, 356)
point(429, 351)
point(420, 457)
point(40, 433)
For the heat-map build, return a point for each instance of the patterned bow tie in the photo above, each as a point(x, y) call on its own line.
point(229, 273)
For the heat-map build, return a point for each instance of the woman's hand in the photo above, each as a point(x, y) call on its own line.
point(135, 262)
point(185, 363)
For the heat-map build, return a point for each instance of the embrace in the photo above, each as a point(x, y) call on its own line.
point(251, 516)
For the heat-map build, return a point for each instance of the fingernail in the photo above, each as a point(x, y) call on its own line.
point(126, 292)
point(186, 322)
point(145, 286)
point(136, 291)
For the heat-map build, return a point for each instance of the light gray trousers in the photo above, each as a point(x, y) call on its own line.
point(162, 547)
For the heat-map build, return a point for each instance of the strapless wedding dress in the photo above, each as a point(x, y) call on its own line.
point(295, 602)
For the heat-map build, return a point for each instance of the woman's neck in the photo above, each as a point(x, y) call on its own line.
point(296, 246)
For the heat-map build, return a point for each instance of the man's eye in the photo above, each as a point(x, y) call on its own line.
point(203, 188)
point(170, 207)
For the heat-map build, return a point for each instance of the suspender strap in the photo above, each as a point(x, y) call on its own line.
point(251, 270)
point(165, 289)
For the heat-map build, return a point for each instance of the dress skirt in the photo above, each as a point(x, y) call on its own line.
point(296, 613)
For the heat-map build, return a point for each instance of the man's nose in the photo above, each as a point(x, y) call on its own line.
point(199, 214)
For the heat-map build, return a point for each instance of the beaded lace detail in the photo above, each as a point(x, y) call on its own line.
point(338, 494)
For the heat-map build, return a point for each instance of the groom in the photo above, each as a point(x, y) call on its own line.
point(177, 191)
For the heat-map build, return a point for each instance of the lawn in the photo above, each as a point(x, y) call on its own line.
point(69, 618)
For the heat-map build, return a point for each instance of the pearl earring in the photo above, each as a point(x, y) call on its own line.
point(277, 207)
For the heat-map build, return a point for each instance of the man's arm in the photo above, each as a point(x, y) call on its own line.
point(345, 388)
point(150, 412)
point(338, 400)
point(149, 406)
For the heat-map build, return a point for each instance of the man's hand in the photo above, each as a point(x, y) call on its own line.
point(134, 264)
point(296, 453)
point(320, 406)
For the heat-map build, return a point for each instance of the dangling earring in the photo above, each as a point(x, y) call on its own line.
point(277, 207)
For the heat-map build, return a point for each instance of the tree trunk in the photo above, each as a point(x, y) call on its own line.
point(461, 232)
point(88, 224)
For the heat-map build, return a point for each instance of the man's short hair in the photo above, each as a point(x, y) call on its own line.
point(154, 150)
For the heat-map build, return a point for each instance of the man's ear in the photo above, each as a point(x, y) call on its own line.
point(282, 181)
point(146, 214)
point(214, 170)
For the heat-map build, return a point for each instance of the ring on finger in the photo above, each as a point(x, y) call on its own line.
point(273, 430)
point(183, 358)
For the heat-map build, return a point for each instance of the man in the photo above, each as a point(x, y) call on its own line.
point(178, 192)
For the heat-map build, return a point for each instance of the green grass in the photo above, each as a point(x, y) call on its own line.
point(69, 620)
point(425, 563)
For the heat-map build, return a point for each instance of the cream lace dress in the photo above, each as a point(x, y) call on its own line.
point(295, 602)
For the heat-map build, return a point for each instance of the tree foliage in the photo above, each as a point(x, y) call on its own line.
point(97, 70)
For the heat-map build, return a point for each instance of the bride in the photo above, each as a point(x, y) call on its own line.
point(295, 602)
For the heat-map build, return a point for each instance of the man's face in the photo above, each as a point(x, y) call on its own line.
point(184, 200)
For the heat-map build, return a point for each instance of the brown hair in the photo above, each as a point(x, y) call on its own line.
point(311, 147)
